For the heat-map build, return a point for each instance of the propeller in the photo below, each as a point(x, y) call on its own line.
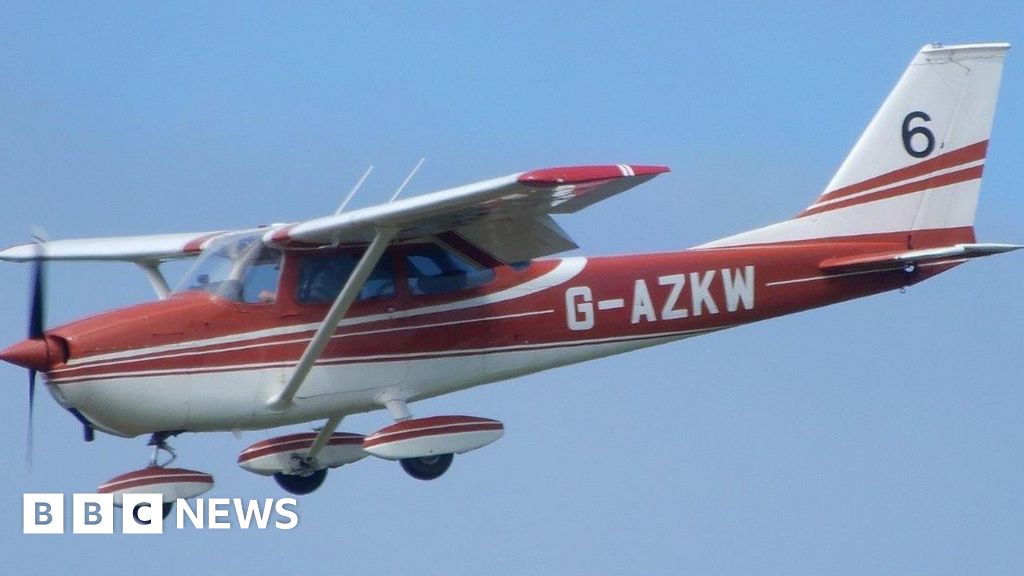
point(36, 323)
point(39, 352)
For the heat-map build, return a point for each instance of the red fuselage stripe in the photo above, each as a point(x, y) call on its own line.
point(115, 374)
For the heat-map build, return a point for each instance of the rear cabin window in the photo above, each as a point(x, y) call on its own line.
point(434, 270)
point(321, 278)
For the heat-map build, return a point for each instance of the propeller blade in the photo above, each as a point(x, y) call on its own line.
point(37, 315)
point(36, 328)
point(31, 410)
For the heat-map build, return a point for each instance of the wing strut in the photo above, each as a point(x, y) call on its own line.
point(325, 434)
point(156, 278)
point(342, 303)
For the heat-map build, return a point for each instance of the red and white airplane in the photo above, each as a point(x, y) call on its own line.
point(382, 306)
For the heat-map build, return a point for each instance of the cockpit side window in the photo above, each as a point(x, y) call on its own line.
point(322, 276)
point(434, 270)
point(260, 283)
point(239, 268)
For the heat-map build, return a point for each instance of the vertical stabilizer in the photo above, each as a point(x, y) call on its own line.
point(916, 170)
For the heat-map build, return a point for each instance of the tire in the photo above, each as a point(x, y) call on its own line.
point(168, 506)
point(428, 467)
point(300, 485)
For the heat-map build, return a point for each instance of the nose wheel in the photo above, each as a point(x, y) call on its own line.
point(157, 478)
point(159, 443)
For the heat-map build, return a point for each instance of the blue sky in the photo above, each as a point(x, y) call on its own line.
point(878, 436)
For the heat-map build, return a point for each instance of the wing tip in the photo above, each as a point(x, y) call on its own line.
point(17, 253)
point(550, 177)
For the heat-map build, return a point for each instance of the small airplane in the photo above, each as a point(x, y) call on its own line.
point(378, 307)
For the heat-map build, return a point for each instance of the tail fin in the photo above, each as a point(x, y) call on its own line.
point(915, 172)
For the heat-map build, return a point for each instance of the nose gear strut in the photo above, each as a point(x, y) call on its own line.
point(158, 440)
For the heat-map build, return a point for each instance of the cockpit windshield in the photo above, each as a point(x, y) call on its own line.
point(239, 268)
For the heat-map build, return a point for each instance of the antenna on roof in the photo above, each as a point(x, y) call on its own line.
point(407, 178)
point(354, 190)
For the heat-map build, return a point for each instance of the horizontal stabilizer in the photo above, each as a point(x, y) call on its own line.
point(898, 260)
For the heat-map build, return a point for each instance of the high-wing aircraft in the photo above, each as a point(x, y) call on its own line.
point(375, 308)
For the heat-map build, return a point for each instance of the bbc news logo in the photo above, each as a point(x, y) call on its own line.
point(143, 514)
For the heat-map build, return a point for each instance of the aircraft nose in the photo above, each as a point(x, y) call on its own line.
point(38, 354)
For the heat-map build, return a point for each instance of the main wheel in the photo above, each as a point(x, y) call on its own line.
point(428, 467)
point(300, 485)
point(168, 506)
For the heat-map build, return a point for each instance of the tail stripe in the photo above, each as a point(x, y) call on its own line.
point(965, 155)
point(938, 181)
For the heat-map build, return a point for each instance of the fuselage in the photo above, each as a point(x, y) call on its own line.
point(200, 362)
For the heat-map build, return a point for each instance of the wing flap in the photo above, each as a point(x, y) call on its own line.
point(510, 240)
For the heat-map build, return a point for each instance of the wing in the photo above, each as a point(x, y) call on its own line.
point(138, 249)
point(502, 220)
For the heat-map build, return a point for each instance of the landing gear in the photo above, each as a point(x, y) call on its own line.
point(158, 440)
point(304, 471)
point(156, 477)
point(425, 447)
point(300, 485)
point(421, 467)
point(427, 467)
